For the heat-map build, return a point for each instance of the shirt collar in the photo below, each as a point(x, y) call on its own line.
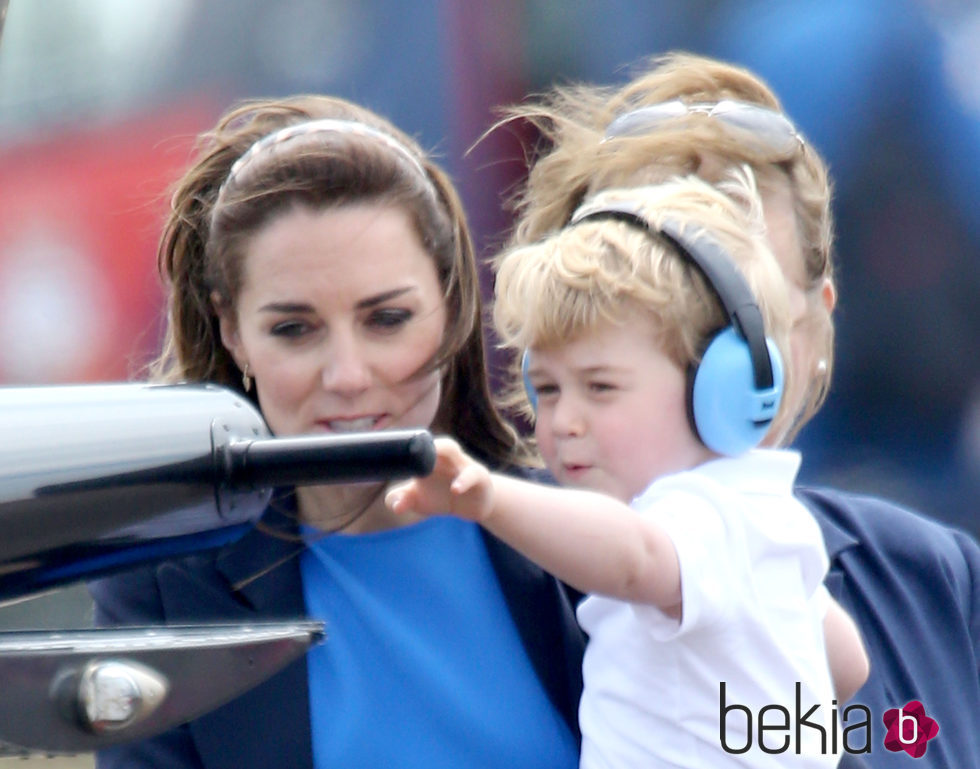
point(760, 471)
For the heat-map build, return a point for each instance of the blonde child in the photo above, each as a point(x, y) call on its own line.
point(652, 329)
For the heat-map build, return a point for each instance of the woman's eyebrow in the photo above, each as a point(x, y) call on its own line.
point(371, 301)
point(286, 307)
point(301, 307)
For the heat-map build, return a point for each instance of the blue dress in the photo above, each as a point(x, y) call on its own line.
point(259, 579)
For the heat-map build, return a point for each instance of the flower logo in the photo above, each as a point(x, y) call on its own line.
point(909, 729)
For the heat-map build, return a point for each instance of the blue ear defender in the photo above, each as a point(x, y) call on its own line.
point(729, 413)
point(735, 390)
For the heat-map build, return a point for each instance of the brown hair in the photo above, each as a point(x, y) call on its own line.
point(215, 210)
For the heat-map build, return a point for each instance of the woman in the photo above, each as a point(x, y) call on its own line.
point(319, 262)
point(687, 114)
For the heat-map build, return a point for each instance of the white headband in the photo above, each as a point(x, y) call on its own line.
point(325, 125)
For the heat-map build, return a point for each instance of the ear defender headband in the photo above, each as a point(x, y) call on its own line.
point(735, 390)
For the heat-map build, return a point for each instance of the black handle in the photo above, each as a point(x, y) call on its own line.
point(316, 459)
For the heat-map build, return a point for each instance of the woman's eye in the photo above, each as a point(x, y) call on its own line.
point(601, 387)
point(544, 389)
point(389, 318)
point(289, 328)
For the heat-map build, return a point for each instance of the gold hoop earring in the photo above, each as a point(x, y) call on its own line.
point(246, 379)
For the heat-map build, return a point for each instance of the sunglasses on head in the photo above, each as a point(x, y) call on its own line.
point(769, 128)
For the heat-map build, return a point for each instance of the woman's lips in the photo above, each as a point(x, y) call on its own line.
point(351, 424)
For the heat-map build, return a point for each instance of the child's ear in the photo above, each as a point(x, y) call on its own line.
point(228, 326)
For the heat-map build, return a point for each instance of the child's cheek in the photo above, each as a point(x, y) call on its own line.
point(546, 445)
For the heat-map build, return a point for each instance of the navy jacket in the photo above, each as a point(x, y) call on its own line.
point(913, 587)
point(269, 725)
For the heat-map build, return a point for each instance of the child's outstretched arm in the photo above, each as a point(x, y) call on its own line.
point(458, 485)
point(849, 666)
point(593, 542)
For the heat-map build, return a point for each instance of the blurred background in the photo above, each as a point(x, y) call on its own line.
point(101, 100)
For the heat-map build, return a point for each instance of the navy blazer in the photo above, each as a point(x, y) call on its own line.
point(912, 585)
point(270, 725)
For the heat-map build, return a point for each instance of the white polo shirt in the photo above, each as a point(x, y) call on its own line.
point(752, 563)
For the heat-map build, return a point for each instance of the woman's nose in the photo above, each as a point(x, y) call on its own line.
point(345, 367)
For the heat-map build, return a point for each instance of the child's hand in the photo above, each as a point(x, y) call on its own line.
point(458, 485)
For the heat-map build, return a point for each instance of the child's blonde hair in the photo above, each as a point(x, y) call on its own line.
point(607, 271)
